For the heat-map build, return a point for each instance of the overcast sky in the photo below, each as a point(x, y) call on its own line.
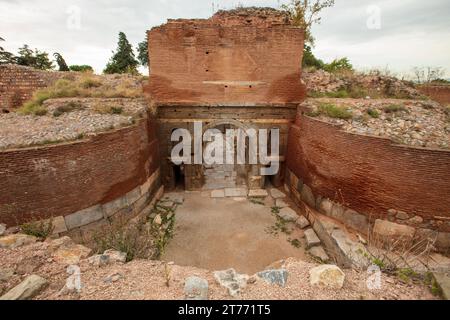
point(397, 34)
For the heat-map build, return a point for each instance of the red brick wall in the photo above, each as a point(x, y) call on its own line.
point(440, 94)
point(59, 180)
point(226, 59)
point(370, 175)
point(18, 83)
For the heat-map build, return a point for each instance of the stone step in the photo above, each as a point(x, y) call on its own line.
point(312, 240)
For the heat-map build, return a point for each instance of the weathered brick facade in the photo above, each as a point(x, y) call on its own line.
point(18, 83)
point(51, 181)
point(371, 175)
point(240, 68)
point(232, 58)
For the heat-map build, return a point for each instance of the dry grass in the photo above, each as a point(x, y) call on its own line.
point(86, 86)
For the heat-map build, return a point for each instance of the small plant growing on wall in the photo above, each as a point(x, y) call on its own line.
point(38, 229)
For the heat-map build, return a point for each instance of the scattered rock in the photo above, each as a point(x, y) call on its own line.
point(158, 220)
point(196, 288)
point(277, 194)
point(402, 215)
point(312, 239)
point(99, 260)
point(278, 277)
point(27, 289)
point(416, 220)
point(116, 256)
point(113, 278)
point(302, 222)
point(59, 243)
point(71, 254)
point(287, 214)
point(218, 193)
point(329, 276)
point(281, 203)
point(389, 229)
point(326, 207)
point(269, 202)
point(231, 280)
point(2, 229)
point(6, 274)
point(16, 240)
point(319, 253)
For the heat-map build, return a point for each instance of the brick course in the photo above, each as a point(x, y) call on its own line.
point(371, 175)
point(52, 181)
point(229, 58)
point(18, 83)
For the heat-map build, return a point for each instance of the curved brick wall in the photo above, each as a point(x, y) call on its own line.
point(370, 175)
point(60, 180)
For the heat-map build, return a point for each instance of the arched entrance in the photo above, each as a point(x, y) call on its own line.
point(226, 175)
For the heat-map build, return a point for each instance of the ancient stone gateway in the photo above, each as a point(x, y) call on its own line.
point(234, 70)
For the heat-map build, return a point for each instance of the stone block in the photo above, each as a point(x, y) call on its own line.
point(308, 196)
point(356, 221)
point(236, 192)
point(385, 228)
point(112, 207)
point(277, 194)
point(59, 225)
point(287, 214)
point(27, 289)
point(319, 253)
point(218, 194)
point(133, 195)
point(312, 239)
point(84, 217)
point(281, 203)
point(278, 277)
point(302, 222)
point(326, 207)
point(196, 288)
point(258, 193)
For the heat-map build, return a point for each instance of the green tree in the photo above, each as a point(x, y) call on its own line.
point(309, 60)
point(5, 56)
point(305, 13)
point(336, 65)
point(81, 68)
point(61, 62)
point(36, 59)
point(143, 53)
point(123, 60)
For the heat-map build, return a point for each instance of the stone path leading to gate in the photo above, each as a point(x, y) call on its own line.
point(222, 233)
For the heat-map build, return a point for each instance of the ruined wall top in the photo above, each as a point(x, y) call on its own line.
point(245, 56)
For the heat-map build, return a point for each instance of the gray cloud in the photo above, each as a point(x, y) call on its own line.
point(413, 32)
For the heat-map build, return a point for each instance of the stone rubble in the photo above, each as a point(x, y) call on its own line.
point(278, 277)
point(417, 123)
point(196, 288)
point(231, 280)
point(329, 276)
point(27, 289)
point(16, 240)
point(18, 130)
point(312, 239)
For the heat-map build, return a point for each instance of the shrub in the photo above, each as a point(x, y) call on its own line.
point(38, 229)
point(107, 109)
point(334, 111)
point(394, 108)
point(71, 106)
point(81, 68)
point(373, 113)
point(90, 82)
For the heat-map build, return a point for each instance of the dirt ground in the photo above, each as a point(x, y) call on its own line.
point(218, 234)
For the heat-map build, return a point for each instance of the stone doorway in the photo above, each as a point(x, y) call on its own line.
point(222, 176)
